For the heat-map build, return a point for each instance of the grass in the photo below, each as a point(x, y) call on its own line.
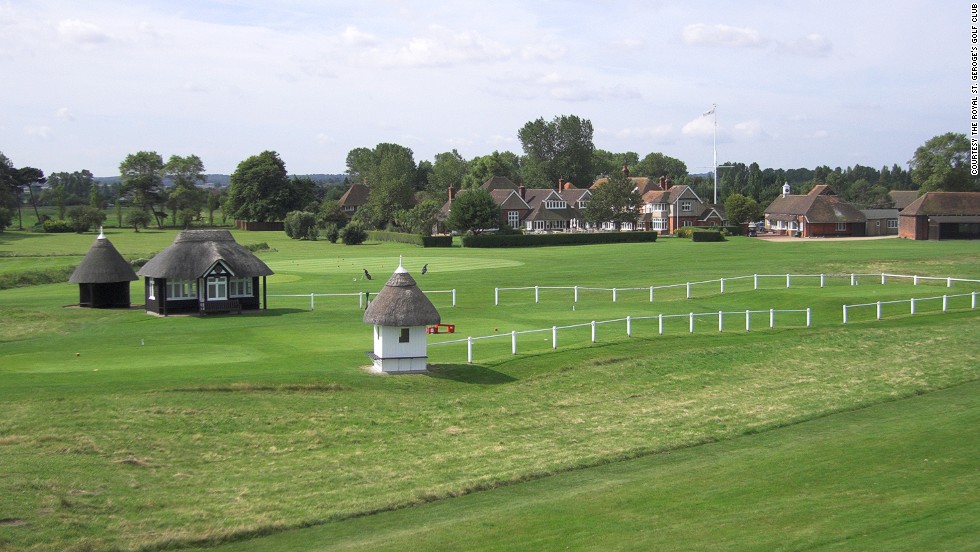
point(122, 430)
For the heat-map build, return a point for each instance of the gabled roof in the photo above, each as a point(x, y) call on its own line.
point(902, 198)
point(194, 252)
point(499, 183)
point(355, 196)
point(102, 265)
point(509, 199)
point(642, 183)
point(401, 303)
point(820, 205)
point(944, 203)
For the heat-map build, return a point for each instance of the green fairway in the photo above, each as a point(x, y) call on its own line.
point(123, 430)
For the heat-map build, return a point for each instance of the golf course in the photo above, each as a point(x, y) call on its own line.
point(266, 430)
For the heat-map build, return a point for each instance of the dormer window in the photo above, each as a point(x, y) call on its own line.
point(555, 204)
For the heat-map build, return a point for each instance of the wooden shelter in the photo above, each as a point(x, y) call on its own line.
point(400, 314)
point(941, 216)
point(204, 271)
point(103, 277)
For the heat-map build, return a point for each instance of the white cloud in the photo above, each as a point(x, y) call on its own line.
point(38, 131)
point(699, 128)
point(323, 138)
point(352, 36)
point(702, 34)
point(64, 113)
point(644, 133)
point(441, 47)
point(749, 129)
point(81, 32)
point(813, 44)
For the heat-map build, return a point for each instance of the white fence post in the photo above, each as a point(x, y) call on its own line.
point(496, 296)
point(660, 324)
point(311, 301)
point(576, 294)
point(853, 279)
point(912, 302)
point(629, 326)
point(945, 302)
point(360, 300)
point(513, 342)
point(720, 326)
point(469, 350)
point(949, 282)
point(554, 337)
point(614, 295)
point(748, 321)
point(593, 331)
point(536, 296)
point(882, 278)
point(878, 310)
point(915, 280)
point(651, 294)
point(755, 281)
point(722, 286)
point(808, 317)
point(787, 280)
point(692, 322)
point(454, 297)
point(973, 300)
point(845, 314)
point(821, 280)
point(772, 318)
point(689, 290)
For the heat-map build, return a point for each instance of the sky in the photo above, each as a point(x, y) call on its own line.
point(796, 83)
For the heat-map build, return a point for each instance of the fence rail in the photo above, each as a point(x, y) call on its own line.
point(691, 317)
point(912, 303)
point(854, 279)
point(363, 297)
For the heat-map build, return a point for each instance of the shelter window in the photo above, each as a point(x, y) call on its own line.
point(892, 223)
point(182, 289)
point(240, 287)
point(841, 226)
point(555, 204)
point(150, 289)
point(217, 288)
point(403, 337)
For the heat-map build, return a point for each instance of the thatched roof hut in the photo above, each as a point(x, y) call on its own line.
point(103, 276)
point(401, 303)
point(193, 252)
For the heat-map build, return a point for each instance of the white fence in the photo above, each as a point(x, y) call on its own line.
point(691, 317)
point(912, 303)
point(363, 297)
point(853, 278)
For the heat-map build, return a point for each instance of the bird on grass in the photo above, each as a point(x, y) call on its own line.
point(425, 268)
point(367, 274)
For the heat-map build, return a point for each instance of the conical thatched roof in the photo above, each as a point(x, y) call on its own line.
point(102, 265)
point(401, 303)
point(195, 251)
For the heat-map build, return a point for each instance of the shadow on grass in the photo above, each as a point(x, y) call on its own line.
point(469, 373)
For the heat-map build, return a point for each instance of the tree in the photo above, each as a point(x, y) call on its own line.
point(741, 209)
point(260, 189)
point(10, 191)
point(389, 171)
point(656, 164)
point(617, 201)
point(301, 225)
point(942, 164)
point(142, 178)
point(185, 173)
point(353, 234)
point(30, 177)
point(473, 211)
point(559, 149)
point(213, 204)
point(419, 219)
point(448, 170)
point(138, 219)
point(498, 163)
point(83, 218)
point(607, 162)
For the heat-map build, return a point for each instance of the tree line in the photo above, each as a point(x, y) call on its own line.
point(408, 196)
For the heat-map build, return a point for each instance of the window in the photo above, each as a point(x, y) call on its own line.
point(893, 223)
point(659, 224)
point(555, 204)
point(217, 288)
point(403, 337)
point(182, 289)
point(513, 219)
point(841, 226)
point(687, 206)
point(240, 287)
point(150, 289)
point(686, 223)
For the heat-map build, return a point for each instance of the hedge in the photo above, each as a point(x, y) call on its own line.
point(533, 240)
point(414, 239)
point(707, 236)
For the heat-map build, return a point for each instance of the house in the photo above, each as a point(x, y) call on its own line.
point(354, 198)
point(880, 222)
point(941, 216)
point(400, 313)
point(818, 213)
point(533, 209)
point(103, 277)
point(204, 271)
point(667, 210)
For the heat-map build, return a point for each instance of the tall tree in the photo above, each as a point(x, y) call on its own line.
point(606, 162)
point(185, 173)
point(473, 211)
point(498, 163)
point(142, 178)
point(448, 170)
point(617, 201)
point(740, 208)
point(260, 189)
point(389, 171)
point(942, 164)
point(558, 149)
point(656, 164)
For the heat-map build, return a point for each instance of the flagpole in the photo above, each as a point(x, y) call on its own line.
point(714, 146)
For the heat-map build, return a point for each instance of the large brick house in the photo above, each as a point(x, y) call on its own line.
point(532, 209)
point(818, 213)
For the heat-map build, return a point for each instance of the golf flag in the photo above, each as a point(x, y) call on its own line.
point(709, 112)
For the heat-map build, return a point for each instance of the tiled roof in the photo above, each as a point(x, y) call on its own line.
point(355, 196)
point(945, 203)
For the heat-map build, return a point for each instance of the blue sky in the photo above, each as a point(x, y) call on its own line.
point(797, 83)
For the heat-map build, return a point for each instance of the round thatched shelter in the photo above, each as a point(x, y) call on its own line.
point(103, 277)
point(400, 313)
point(204, 271)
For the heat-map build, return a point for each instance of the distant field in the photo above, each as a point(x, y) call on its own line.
point(122, 430)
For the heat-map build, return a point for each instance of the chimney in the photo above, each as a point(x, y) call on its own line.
point(452, 193)
point(522, 190)
point(661, 183)
point(626, 170)
point(786, 189)
point(561, 183)
point(668, 182)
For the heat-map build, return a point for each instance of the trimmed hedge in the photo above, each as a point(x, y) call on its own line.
point(414, 239)
point(57, 226)
point(707, 236)
point(535, 240)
